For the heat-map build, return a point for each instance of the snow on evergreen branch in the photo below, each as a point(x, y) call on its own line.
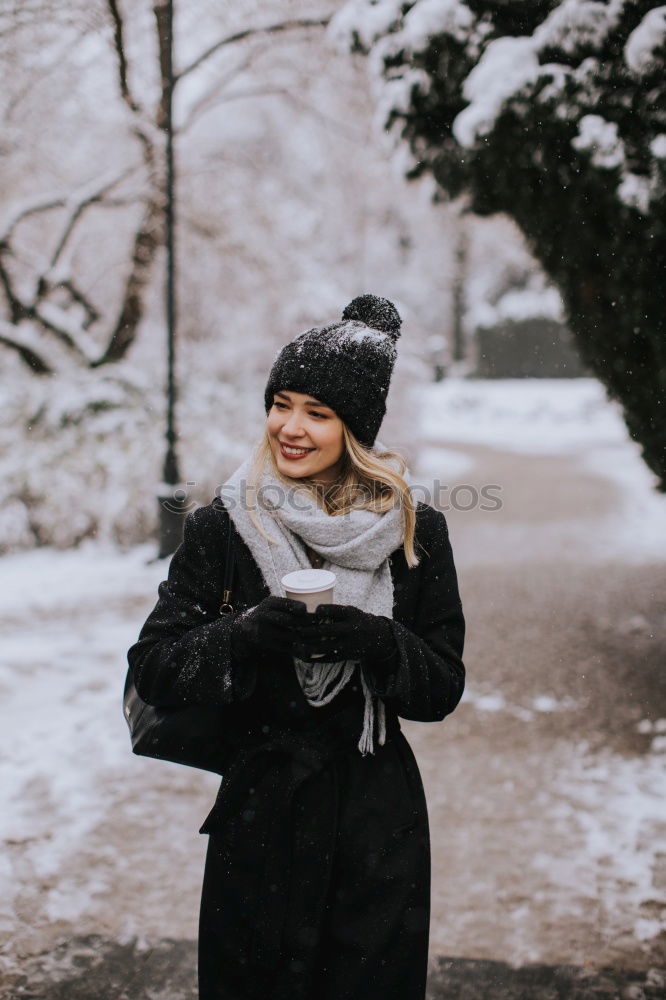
point(567, 65)
point(640, 51)
point(600, 138)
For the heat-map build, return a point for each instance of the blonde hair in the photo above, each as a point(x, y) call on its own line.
point(366, 482)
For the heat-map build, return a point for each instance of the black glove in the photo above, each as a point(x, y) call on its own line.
point(342, 632)
point(271, 626)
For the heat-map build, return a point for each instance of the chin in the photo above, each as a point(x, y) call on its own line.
point(287, 469)
point(292, 474)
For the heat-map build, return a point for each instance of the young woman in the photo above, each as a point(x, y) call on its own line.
point(317, 878)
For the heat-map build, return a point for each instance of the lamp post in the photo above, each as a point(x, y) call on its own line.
point(171, 501)
point(460, 277)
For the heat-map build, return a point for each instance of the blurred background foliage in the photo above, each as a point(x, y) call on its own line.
point(291, 200)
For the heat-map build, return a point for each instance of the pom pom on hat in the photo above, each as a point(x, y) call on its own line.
point(375, 312)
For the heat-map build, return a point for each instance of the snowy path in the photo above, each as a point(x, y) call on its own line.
point(545, 788)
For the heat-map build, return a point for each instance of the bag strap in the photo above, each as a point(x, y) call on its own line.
point(226, 606)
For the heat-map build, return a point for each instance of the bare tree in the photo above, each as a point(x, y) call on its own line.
point(50, 319)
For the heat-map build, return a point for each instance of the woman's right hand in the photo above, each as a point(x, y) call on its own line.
point(270, 626)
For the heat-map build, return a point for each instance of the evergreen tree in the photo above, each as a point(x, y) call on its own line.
point(554, 112)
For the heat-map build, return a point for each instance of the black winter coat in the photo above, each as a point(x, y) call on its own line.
point(317, 878)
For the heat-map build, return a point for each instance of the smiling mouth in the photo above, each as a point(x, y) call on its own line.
point(289, 452)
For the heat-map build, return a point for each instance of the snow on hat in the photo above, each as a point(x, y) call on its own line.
point(347, 365)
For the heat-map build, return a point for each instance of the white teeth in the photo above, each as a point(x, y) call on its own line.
point(295, 451)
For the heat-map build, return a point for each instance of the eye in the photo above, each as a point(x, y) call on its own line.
point(313, 413)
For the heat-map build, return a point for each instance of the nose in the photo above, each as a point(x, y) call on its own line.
point(292, 426)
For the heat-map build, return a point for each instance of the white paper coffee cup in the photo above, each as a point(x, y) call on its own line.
point(312, 586)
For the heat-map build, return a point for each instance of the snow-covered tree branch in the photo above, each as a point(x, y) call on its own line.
point(249, 33)
point(28, 301)
point(77, 323)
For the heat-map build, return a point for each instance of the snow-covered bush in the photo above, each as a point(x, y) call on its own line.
point(82, 457)
point(552, 112)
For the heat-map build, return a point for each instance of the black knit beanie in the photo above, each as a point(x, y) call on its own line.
point(347, 365)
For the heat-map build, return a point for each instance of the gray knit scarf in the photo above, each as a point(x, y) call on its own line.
point(355, 546)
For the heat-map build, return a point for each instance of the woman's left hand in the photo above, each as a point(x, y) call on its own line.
point(338, 632)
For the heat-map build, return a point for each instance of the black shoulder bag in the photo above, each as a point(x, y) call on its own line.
point(192, 735)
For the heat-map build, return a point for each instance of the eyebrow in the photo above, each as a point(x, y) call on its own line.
point(308, 402)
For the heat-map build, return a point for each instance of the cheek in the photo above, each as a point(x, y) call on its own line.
point(326, 438)
point(334, 439)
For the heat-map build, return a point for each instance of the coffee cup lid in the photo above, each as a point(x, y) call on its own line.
point(308, 581)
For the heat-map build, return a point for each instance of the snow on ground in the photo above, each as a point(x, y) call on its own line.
point(496, 702)
point(525, 415)
point(615, 810)
point(34, 581)
point(67, 621)
point(443, 462)
point(641, 505)
point(71, 788)
point(619, 805)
